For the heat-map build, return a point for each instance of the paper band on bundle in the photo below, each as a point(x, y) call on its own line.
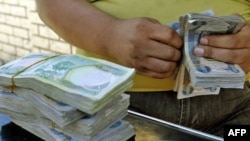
point(53, 125)
point(11, 88)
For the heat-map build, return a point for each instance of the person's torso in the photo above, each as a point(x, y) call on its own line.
point(165, 11)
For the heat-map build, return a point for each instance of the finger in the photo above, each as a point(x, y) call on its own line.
point(245, 67)
point(237, 14)
point(235, 56)
point(165, 35)
point(222, 41)
point(155, 67)
point(237, 40)
point(153, 74)
point(162, 51)
point(152, 20)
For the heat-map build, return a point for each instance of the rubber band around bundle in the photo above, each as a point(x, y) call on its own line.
point(53, 125)
point(11, 88)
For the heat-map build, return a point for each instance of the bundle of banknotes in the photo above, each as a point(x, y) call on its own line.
point(85, 83)
point(204, 76)
point(67, 97)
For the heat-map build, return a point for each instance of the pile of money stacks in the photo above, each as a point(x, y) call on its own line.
point(203, 76)
point(67, 97)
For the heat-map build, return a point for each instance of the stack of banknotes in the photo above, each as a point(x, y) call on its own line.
point(67, 97)
point(200, 75)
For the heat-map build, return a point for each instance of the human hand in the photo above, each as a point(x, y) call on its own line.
point(232, 48)
point(144, 44)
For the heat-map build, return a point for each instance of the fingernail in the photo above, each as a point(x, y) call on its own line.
point(204, 41)
point(198, 51)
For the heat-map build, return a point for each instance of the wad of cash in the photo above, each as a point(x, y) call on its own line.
point(67, 97)
point(87, 84)
point(205, 75)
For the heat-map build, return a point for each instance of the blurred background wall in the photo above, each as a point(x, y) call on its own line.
point(22, 32)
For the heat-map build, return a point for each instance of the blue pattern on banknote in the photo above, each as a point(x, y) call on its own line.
point(192, 42)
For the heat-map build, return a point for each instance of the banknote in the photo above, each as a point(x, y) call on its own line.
point(58, 112)
point(186, 89)
point(178, 25)
point(183, 85)
point(119, 131)
point(207, 72)
point(82, 82)
point(12, 102)
point(86, 127)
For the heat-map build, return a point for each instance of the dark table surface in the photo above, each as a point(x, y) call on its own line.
point(146, 130)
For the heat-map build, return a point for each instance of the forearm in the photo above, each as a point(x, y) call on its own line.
point(141, 43)
point(77, 22)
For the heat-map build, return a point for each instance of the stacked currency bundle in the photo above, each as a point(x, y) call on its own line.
point(67, 96)
point(200, 75)
point(87, 84)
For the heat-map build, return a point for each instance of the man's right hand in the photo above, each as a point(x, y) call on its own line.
point(151, 48)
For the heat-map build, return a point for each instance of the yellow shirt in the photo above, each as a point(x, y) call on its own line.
point(166, 11)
